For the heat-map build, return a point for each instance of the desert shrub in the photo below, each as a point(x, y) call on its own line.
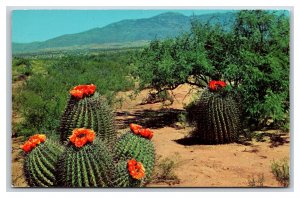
point(21, 68)
point(256, 182)
point(42, 99)
point(164, 170)
point(281, 171)
point(252, 56)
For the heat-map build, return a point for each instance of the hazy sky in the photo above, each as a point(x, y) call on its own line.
point(40, 25)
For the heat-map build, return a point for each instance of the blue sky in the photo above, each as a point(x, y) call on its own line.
point(40, 25)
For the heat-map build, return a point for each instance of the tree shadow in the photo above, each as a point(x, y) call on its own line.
point(278, 140)
point(149, 118)
point(194, 140)
point(188, 141)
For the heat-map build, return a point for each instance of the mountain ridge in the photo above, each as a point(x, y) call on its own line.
point(162, 26)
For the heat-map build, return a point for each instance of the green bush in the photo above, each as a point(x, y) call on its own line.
point(281, 171)
point(252, 56)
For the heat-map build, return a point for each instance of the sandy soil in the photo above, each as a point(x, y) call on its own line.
point(231, 165)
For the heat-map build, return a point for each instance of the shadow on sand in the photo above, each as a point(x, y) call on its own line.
point(149, 118)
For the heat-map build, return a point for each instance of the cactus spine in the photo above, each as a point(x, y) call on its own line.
point(40, 164)
point(89, 166)
point(90, 112)
point(133, 146)
point(218, 118)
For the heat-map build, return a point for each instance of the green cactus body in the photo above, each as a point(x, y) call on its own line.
point(218, 118)
point(40, 164)
point(133, 146)
point(123, 178)
point(91, 112)
point(89, 166)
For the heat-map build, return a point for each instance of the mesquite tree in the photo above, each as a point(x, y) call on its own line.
point(251, 55)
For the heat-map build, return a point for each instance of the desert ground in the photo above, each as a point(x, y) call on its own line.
point(195, 165)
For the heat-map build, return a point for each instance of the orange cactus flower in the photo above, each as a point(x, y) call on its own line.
point(27, 146)
point(136, 169)
point(215, 85)
point(81, 91)
point(32, 142)
point(90, 137)
point(139, 130)
point(135, 128)
point(144, 132)
point(81, 136)
point(90, 89)
point(77, 93)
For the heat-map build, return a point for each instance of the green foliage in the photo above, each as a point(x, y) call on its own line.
point(252, 56)
point(217, 118)
point(281, 171)
point(142, 150)
point(43, 97)
point(21, 68)
point(40, 164)
point(92, 113)
point(89, 166)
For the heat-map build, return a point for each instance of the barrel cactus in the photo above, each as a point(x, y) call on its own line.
point(86, 109)
point(85, 162)
point(91, 155)
point(216, 115)
point(40, 161)
point(138, 147)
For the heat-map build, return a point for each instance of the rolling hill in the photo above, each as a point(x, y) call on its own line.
point(166, 25)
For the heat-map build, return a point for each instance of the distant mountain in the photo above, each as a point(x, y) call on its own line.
point(166, 25)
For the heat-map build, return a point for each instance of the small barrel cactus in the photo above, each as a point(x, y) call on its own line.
point(40, 161)
point(131, 145)
point(86, 109)
point(85, 162)
point(216, 115)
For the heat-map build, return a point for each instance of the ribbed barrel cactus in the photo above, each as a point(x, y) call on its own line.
point(86, 109)
point(85, 162)
point(91, 155)
point(40, 161)
point(216, 115)
point(131, 145)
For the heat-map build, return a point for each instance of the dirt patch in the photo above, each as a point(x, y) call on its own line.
point(18, 178)
point(230, 165)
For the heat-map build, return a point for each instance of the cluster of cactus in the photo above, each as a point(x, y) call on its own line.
point(216, 116)
point(89, 153)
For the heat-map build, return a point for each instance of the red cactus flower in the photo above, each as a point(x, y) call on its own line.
point(135, 128)
point(33, 141)
point(136, 169)
point(214, 85)
point(81, 136)
point(81, 91)
point(139, 130)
